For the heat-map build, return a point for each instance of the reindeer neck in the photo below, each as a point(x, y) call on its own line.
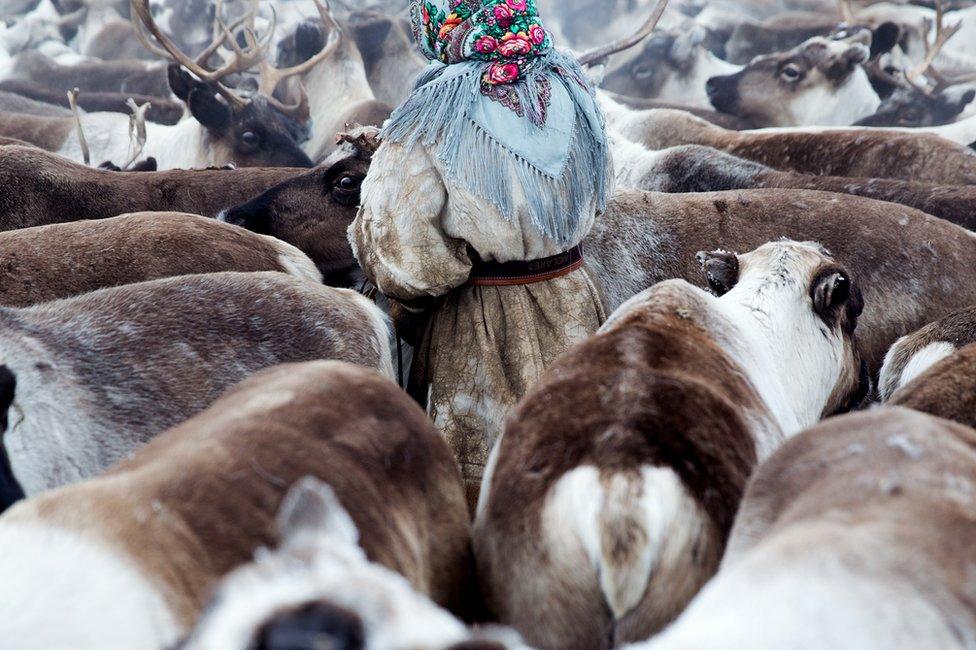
point(339, 81)
point(793, 385)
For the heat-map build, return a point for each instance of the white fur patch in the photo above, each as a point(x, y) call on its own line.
point(799, 591)
point(62, 590)
point(295, 262)
point(922, 360)
point(582, 512)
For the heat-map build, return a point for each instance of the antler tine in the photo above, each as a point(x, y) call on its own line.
point(299, 111)
point(142, 16)
point(846, 11)
point(942, 35)
point(271, 76)
point(599, 53)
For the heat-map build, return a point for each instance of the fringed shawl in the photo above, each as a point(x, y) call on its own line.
point(537, 144)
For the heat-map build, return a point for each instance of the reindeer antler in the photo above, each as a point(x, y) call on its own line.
point(82, 140)
point(243, 59)
point(271, 76)
point(846, 11)
point(942, 35)
point(599, 53)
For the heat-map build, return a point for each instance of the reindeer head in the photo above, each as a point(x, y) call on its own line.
point(804, 306)
point(820, 82)
point(249, 130)
point(669, 65)
point(910, 106)
point(313, 211)
point(318, 590)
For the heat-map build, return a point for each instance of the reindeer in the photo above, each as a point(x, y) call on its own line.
point(99, 375)
point(260, 131)
point(693, 168)
point(68, 259)
point(912, 355)
point(627, 490)
point(672, 66)
point(940, 385)
point(138, 77)
point(199, 500)
point(820, 82)
point(294, 209)
point(390, 58)
point(162, 110)
point(857, 524)
point(339, 92)
point(337, 596)
point(56, 191)
point(905, 154)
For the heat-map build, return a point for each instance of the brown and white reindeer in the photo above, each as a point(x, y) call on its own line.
point(223, 126)
point(946, 388)
point(913, 354)
point(821, 82)
point(670, 65)
point(855, 534)
point(68, 259)
point(94, 377)
point(133, 557)
point(320, 589)
point(607, 501)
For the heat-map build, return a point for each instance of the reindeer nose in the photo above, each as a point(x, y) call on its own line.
point(712, 86)
point(314, 626)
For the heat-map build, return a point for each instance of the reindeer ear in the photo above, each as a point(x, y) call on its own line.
point(311, 507)
point(10, 489)
point(180, 81)
point(309, 40)
point(834, 296)
point(212, 113)
point(884, 37)
point(684, 45)
point(721, 270)
point(966, 98)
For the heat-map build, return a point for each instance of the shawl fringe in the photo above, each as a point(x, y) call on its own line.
point(437, 115)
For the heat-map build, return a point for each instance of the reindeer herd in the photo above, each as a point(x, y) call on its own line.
point(767, 444)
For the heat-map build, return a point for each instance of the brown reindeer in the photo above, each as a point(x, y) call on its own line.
point(861, 524)
point(607, 502)
point(134, 555)
point(693, 168)
point(863, 153)
point(68, 259)
point(96, 376)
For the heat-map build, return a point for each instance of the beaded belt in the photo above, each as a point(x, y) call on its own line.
point(495, 274)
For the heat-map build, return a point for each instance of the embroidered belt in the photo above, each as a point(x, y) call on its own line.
point(495, 274)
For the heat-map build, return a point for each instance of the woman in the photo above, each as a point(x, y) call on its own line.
point(489, 176)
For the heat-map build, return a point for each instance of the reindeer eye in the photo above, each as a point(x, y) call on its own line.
point(791, 72)
point(347, 183)
point(250, 139)
point(643, 71)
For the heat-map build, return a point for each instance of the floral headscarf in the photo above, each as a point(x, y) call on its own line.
point(507, 34)
point(513, 120)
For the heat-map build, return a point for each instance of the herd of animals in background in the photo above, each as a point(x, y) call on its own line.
point(767, 445)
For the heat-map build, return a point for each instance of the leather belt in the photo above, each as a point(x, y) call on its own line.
point(495, 274)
